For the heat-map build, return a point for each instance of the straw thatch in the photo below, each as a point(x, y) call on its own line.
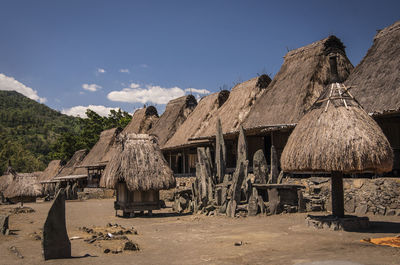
point(140, 163)
point(337, 135)
point(5, 180)
point(100, 153)
point(377, 78)
point(236, 108)
point(197, 120)
point(51, 171)
point(176, 112)
point(24, 185)
point(142, 120)
point(69, 167)
point(300, 81)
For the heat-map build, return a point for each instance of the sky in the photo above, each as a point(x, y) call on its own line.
point(75, 54)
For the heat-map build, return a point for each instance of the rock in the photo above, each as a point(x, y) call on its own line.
point(16, 252)
point(349, 206)
point(260, 167)
point(361, 209)
point(391, 213)
point(3, 224)
point(55, 241)
point(239, 243)
point(131, 246)
point(107, 250)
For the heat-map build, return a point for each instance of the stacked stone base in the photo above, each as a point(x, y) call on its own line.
point(334, 223)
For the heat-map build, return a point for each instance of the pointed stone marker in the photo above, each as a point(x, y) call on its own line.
point(55, 242)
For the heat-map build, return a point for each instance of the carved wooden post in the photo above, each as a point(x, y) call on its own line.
point(337, 194)
point(274, 166)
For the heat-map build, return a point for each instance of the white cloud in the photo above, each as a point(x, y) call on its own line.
point(124, 71)
point(197, 91)
point(144, 65)
point(81, 110)
point(8, 83)
point(101, 70)
point(91, 87)
point(150, 94)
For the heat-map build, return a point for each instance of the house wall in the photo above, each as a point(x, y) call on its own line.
point(390, 126)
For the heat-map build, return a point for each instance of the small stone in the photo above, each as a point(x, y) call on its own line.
point(131, 246)
point(239, 243)
point(107, 250)
point(391, 213)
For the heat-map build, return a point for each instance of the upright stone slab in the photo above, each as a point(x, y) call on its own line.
point(273, 179)
point(242, 146)
point(220, 153)
point(260, 167)
point(55, 242)
point(3, 224)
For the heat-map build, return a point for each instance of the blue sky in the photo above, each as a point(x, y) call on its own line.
point(127, 53)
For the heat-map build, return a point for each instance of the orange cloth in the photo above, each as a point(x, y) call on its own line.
point(384, 241)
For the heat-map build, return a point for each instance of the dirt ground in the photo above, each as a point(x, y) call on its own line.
point(167, 238)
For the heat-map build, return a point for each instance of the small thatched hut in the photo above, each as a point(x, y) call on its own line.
point(138, 171)
point(179, 151)
point(300, 81)
point(24, 187)
point(142, 120)
point(376, 81)
point(176, 112)
point(337, 136)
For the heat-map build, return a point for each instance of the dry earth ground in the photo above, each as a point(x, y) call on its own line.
point(167, 238)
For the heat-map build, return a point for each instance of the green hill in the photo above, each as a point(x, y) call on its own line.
point(28, 130)
point(32, 134)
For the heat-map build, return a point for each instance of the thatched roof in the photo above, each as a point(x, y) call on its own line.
point(236, 108)
point(24, 185)
point(299, 82)
point(101, 152)
point(69, 167)
point(377, 77)
point(142, 120)
point(197, 120)
point(53, 168)
point(337, 135)
point(5, 180)
point(176, 112)
point(140, 163)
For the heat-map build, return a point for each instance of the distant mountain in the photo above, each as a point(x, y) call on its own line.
point(28, 130)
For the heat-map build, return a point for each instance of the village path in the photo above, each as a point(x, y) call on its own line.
point(167, 238)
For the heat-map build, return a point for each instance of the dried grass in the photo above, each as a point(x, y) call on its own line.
point(140, 163)
point(24, 185)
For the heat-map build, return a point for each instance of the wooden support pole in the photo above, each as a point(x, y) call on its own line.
point(337, 194)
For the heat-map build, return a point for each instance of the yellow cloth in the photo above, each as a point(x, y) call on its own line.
point(384, 241)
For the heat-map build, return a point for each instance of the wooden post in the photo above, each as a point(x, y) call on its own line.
point(183, 161)
point(337, 194)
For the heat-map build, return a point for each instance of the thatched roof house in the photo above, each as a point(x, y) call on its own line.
point(236, 108)
point(100, 153)
point(140, 163)
point(142, 120)
point(176, 112)
point(375, 83)
point(337, 135)
point(53, 168)
point(69, 167)
point(197, 120)
point(24, 187)
point(377, 77)
point(299, 82)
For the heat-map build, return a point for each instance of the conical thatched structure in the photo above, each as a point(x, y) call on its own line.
point(142, 120)
point(176, 112)
point(337, 136)
point(140, 164)
point(53, 168)
point(69, 167)
point(24, 187)
point(332, 137)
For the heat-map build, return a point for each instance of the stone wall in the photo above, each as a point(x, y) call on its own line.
point(95, 193)
point(379, 196)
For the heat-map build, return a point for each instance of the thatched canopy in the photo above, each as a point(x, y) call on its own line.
point(140, 164)
point(337, 135)
point(197, 120)
point(100, 153)
point(377, 77)
point(24, 185)
point(53, 168)
point(236, 108)
point(300, 81)
point(176, 112)
point(142, 120)
point(69, 167)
